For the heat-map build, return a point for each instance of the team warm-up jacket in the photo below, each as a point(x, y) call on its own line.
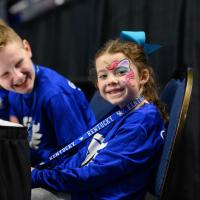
point(56, 111)
point(117, 164)
point(4, 104)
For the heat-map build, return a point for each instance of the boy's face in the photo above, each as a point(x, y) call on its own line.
point(118, 79)
point(16, 67)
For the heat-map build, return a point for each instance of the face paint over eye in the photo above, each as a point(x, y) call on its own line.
point(130, 74)
point(121, 70)
point(123, 67)
point(124, 63)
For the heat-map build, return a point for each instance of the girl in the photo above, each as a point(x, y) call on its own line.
point(122, 157)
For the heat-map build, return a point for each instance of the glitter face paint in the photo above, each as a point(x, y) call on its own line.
point(123, 68)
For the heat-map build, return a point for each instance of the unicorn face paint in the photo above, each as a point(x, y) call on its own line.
point(122, 68)
point(117, 78)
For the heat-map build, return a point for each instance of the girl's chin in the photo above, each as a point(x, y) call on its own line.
point(116, 102)
point(121, 102)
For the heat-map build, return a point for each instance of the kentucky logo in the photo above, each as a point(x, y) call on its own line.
point(120, 113)
point(34, 136)
point(71, 84)
point(93, 147)
point(163, 134)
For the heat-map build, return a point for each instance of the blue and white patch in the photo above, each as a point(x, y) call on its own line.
point(71, 84)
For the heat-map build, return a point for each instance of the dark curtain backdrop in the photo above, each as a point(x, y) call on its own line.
point(67, 38)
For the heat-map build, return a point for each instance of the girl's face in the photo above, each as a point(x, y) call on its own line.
point(118, 79)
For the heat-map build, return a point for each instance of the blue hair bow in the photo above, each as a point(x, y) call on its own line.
point(139, 38)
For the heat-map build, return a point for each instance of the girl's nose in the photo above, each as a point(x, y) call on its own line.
point(112, 80)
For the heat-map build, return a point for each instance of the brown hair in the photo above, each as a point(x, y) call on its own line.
point(8, 35)
point(137, 55)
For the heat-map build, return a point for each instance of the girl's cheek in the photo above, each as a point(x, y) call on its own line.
point(128, 77)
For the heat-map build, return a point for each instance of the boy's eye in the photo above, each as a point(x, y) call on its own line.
point(5, 75)
point(18, 64)
point(121, 70)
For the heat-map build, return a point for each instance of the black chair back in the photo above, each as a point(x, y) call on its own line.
point(176, 95)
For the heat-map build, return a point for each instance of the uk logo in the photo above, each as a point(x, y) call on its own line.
point(120, 113)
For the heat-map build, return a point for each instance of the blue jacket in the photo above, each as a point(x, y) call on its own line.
point(127, 154)
point(56, 111)
point(4, 104)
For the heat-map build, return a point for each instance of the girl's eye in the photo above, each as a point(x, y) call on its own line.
point(121, 70)
point(102, 76)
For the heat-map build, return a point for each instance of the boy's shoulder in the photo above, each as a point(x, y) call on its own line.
point(51, 83)
point(48, 76)
point(51, 80)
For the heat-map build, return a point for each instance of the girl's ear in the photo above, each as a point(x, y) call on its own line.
point(144, 76)
point(97, 85)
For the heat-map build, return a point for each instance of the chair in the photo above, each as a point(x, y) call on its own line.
point(176, 95)
point(101, 107)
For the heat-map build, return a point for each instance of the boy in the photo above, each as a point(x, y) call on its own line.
point(54, 110)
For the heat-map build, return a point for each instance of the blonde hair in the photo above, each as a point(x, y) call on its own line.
point(8, 35)
point(137, 55)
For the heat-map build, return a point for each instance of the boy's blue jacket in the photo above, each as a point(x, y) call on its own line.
point(4, 104)
point(56, 109)
point(127, 154)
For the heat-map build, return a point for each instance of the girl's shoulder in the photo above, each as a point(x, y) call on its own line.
point(146, 114)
